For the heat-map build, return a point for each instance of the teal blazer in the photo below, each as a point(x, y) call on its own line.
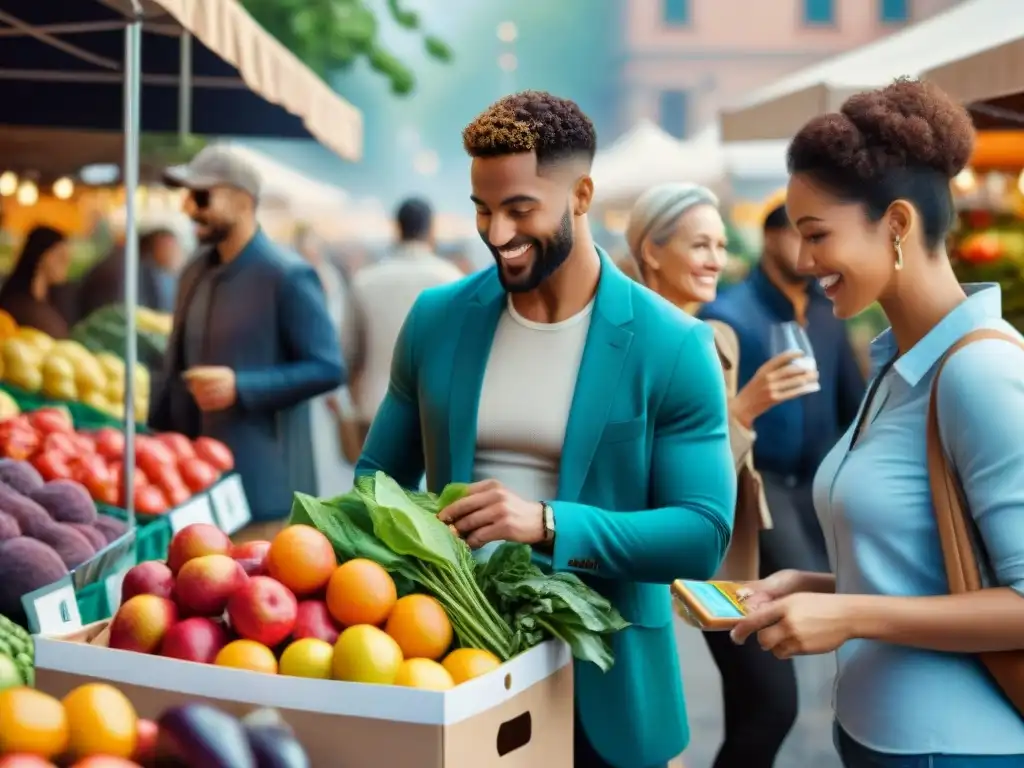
point(647, 485)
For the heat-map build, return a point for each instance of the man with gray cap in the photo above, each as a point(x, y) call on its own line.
point(252, 343)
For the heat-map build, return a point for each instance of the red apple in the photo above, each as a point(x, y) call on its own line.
point(149, 578)
point(141, 623)
point(314, 620)
point(146, 736)
point(205, 584)
point(263, 610)
point(197, 639)
point(194, 541)
point(252, 555)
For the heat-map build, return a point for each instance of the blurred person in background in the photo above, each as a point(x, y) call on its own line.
point(588, 414)
point(253, 342)
point(161, 257)
point(793, 436)
point(383, 294)
point(678, 241)
point(41, 266)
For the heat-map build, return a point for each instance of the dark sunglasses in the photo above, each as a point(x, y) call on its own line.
point(201, 198)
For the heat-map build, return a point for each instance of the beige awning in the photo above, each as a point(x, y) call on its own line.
point(781, 109)
point(266, 67)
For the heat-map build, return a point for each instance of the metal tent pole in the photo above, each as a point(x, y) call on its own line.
point(132, 127)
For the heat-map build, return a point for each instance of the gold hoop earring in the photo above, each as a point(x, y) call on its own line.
point(898, 247)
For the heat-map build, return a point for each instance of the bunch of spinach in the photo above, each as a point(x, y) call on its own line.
point(505, 605)
point(538, 605)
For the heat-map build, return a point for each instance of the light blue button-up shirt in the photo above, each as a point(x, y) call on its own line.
point(875, 506)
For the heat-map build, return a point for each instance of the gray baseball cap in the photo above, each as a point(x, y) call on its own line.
point(215, 166)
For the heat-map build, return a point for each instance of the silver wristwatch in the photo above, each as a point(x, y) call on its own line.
point(549, 522)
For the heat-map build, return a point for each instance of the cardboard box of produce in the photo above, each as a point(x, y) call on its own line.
point(518, 716)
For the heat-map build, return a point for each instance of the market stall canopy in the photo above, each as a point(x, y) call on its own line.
point(778, 111)
point(61, 66)
point(646, 155)
point(284, 187)
point(990, 78)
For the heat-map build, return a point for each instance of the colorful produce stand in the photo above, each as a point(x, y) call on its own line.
point(367, 623)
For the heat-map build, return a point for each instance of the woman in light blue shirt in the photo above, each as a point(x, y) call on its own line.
point(869, 193)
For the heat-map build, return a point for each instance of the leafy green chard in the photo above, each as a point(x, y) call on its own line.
point(505, 605)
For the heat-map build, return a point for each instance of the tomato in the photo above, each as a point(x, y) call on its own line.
point(198, 474)
point(168, 480)
point(150, 500)
point(51, 420)
point(84, 443)
point(117, 477)
point(19, 443)
point(103, 489)
point(151, 455)
point(215, 452)
point(110, 443)
point(53, 465)
point(62, 442)
point(89, 465)
point(180, 445)
point(177, 494)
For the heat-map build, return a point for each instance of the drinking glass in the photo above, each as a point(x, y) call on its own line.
point(791, 337)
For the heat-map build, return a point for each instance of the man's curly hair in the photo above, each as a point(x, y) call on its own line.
point(553, 128)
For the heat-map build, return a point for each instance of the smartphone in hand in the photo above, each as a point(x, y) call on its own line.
point(711, 606)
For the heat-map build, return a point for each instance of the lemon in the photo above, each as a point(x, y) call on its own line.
point(425, 674)
point(308, 657)
point(366, 654)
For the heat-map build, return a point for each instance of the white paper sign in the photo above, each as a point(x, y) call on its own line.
point(57, 611)
point(113, 586)
point(195, 510)
point(230, 504)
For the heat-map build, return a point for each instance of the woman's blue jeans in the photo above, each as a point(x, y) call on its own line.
point(855, 755)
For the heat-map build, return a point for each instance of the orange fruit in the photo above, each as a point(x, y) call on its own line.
point(308, 657)
point(247, 654)
point(425, 674)
point(366, 654)
point(466, 663)
point(302, 559)
point(420, 626)
point(101, 721)
point(361, 592)
point(32, 723)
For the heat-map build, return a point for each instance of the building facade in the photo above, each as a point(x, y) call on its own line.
point(684, 60)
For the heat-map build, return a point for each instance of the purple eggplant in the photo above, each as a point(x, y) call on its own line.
point(201, 736)
point(276, 747)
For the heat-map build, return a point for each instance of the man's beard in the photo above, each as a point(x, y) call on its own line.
point(213, 234)
point(548, 256)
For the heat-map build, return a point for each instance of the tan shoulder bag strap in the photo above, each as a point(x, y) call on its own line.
point(955, 526)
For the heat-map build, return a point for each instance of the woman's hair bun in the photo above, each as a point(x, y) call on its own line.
point(908, 124)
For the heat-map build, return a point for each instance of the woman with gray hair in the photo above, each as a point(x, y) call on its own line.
point(678, 240)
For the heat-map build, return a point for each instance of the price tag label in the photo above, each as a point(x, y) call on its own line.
point(57, 611)
point(195, 510)
point(230, 504)
point(113, 586)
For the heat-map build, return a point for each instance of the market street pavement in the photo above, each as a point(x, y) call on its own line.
point(809, 744)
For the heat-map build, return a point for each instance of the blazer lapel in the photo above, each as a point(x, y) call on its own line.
point(604, 354)
point(469, 364)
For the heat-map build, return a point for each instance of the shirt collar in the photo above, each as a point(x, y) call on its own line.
point(983, 302)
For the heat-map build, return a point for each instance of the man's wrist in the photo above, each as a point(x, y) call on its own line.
point(811, 581)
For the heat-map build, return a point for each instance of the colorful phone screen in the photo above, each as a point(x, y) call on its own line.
point(714, 600)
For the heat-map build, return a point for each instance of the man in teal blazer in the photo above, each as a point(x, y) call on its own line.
point(644, 485)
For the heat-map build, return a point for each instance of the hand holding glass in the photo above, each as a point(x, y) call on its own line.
point(791, 337)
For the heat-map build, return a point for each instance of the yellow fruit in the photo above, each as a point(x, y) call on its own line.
point(89, 375)
point(59, 378)
point(141, 411)
point(366, 654)
point(466, 663)
point(8, 406)
point(308, 657)
point(112, 365)
point(97, 400)
point(72, 350)
point(101, 721)
point(35, 338)
point(32, 723)
point(247, 654)
point(141, 378)
point(21, 363)
point(420, 626)
point(425, 674)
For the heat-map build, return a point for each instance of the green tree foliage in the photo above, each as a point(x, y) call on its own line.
point(329, 35)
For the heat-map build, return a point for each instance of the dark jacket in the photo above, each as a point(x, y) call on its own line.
point(268, 322)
